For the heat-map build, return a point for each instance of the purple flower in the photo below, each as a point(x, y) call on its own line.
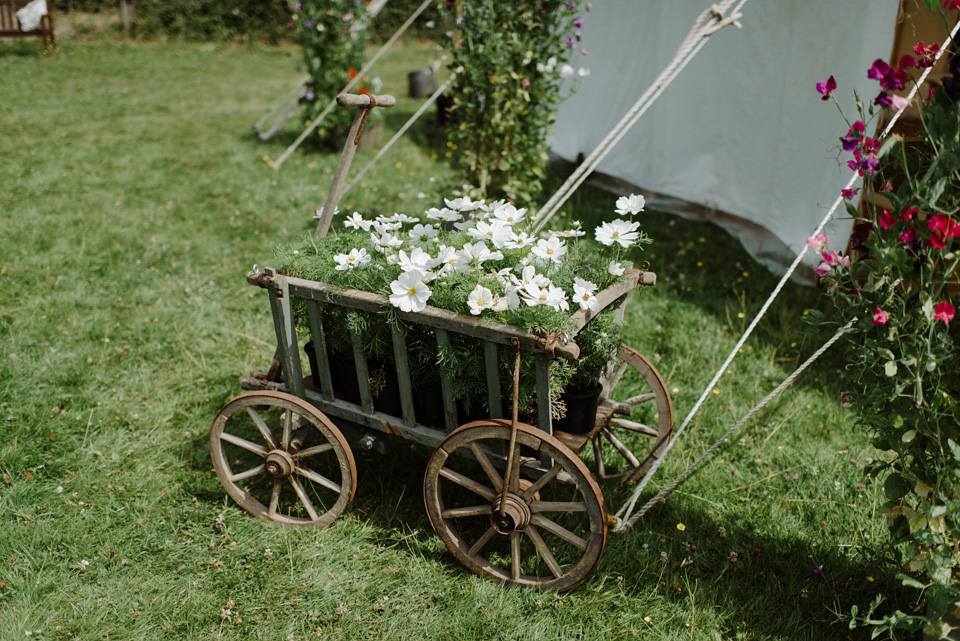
point(827, 88)
point(878, 69)
point(308, 96)
point(308, 23)
point(889, 77)
point(853, 136)
point(297, 6)
point(578, 23)
point(883, 99)
point(570, 42)
point(848, 194)
point(818, 570)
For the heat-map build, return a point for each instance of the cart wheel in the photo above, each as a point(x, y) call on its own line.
point(554, 525)
point(302, 474)
point(637, 417)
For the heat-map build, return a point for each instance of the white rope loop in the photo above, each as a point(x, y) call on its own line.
point(627, 509)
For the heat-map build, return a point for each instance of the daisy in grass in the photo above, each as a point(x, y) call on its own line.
point(629, 205)
point(422, 234)
point(583, 294)
point(473, 255)
point(549, 249)
point(356, 221)
point(356, 258)
point(519, 240)
point(618, 231)
point(385, 242)
point(446, 215)
point(410, 293)
point(509, 214)
point(479, 299)
point(496, 231)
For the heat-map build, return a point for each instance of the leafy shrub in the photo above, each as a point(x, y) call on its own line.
point(512, 65)
point(213, 19)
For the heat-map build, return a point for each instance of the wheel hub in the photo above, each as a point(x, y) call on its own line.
point(279, 464)
point(516, 514)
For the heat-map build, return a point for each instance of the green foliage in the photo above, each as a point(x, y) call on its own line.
point(513, 69)
point(213, 20)
point(430, 24)
point(331, 35)
point(904, 347)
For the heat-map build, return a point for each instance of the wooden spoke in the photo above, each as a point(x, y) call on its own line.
point(245, 475)
point(558, 506)
point(238, 452)
point(287, 428)
point(515, 555)
point(460, 512)
point(627, 446)
point(487, 467)
point(483, 540)
point(565, 486)
point(256, 448)
point(540, 482)
point(275, 498)
point(470, 484)
point(562, 532)
point(311, 451)
point(632, 426)
point(620, 447)
point(544, 551)
point(307, 503)
point(318, 478)
point(267, 434)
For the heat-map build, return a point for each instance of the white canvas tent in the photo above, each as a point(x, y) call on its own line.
point(741, 133)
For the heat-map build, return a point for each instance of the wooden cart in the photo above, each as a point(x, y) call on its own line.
point(511, 501)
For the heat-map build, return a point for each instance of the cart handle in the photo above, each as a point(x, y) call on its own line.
point(364, 104)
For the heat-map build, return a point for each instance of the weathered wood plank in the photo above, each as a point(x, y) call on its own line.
point(610, 295)
point(286, 330)
point(403, 375)
point(446, 384)
point(492, 367)
point(363, 373)
point(320, 349)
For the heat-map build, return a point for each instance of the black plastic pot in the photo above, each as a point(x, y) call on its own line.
point(581, 413)
point(421, 83)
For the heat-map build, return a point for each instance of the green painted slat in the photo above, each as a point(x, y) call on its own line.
point(544, 421)
point(320, 349)
point(446, 384)
point(286, 330)
point(363, 374)
point(403, 375)
point(492, 367)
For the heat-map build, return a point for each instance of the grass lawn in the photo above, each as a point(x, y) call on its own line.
point(135, 198)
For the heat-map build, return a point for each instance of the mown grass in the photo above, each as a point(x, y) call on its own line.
point(134, 200)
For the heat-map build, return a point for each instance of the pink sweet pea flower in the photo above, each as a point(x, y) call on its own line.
point(908, 214)
point(817, 243)
point(951, 4)
point(822, 270)
point(848, 194)
point(831, 258)
point(944, 311)
point(908, 236)
point(880, 317)
point(886, 220)
point(827, 88)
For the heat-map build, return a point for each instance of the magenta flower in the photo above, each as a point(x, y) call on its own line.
point(888, 77)
point(906, 61)
point(854, 134)
point(908, 236)
point(886, 220)
point(827, 88)
point(951, 4)
point(822, 269)
point(848, 194)
point(908, 214)
point(944, 312)
point(880, 317)
point(818, 570)
point(817, 243)
point(578, 23)
point(897, 102)
point(524, 82)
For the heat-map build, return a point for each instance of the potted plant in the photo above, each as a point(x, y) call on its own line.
point(897, 284)
point(473, 258)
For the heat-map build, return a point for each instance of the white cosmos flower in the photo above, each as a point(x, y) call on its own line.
point(529, 276)
point(566, 70)
point(422, 233)
point(632, 204)
point(356, 221)
point(382, 226)
point(418, 259)
point(550, 249)
point(319, 212)
point(356, 258)
point(446, 260)
point(410, 293)
point(447, 215)
point(385, 242)
point(615, 268)
point(479, 299)
point(618, 231)
point(583, 72)
point(463, 204)
point(474, 255)
point(519, 240)
point(509, 214)
point(583, 294)
point(576, 232)
point(400, 218)
point(551, 296)
point(496, 231)
point(509, 300)
point(493, 205)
